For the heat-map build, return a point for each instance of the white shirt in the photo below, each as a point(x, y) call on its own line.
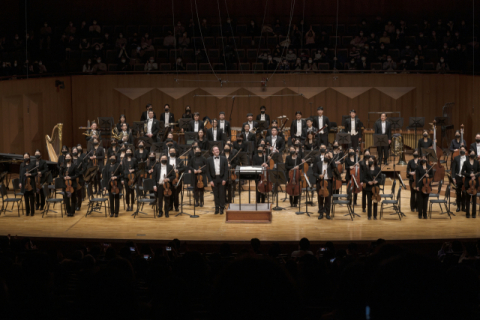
point(163, 173)
point(325, 169)
point(222, 124)
point(216, 162)
point(195, 128)
point(383, 127)
point(353, 131)
point(149, 126)
point(462, 160)
point(274, 142)
point(320, 123)
point(299, 127)
point(262, 117)
point(172, 161)
point(250, 124)
point(167, 118)
point(214, 134)
point(478, 148)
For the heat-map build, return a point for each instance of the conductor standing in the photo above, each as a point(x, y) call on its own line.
point(217, 172)
point(382, 126)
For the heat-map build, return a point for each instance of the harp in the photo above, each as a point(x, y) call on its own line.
point(54, 143)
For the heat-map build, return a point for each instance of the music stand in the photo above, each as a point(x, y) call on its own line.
point(261, 124)
point(416, 122)
point(138, 127)
point(278, 177)
point(147, 141)
point(184, 123)
point(430, 153)
point(343, 138)
point(189, 178)
point(442, 122)
point(157, 147)
point(219, 144)
point(190, 137)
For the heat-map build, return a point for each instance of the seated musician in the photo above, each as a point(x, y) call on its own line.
point(411, 170)
point(130, 167)
point(252, 125)
point(310, 142)
point(457, 168)
point(471, 172)
point(126, 134)
point(259, 159)
point(42, 170)
point(121, 121)
point(163, 173)
point(292, 161)
point(141, 154)
point(275, 125)
point(113, 150)
point(196, 163)
point(27, 171)
point(69, 174)
point(308, 128)
point(425, 142)
point(372, 178)
point(202, 140)
point(112, 174)
point(423, 171)
point(179, 168)
point(323, 171)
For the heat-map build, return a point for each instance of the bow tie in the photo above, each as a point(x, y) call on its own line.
point(217, 158)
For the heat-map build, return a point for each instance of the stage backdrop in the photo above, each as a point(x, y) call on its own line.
point(30, 108)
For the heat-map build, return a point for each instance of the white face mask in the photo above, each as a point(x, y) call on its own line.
point(123, 61)
point(99, 61)
point(39, 63)
point(389, 59)
point(441, 60)
point(310, 61)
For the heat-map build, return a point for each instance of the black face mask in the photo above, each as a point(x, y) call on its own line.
point(477, 140)
point(166, 110)
point(140, 147)
point(263, 111)
point(68, 160)
point(260, 151)
point(367, 157)
point(335, 147)
point(38, 156)
point(371, 162)
point(415, 156)
point(173, 154)
point(292, 152)
point(472, 156)
point(75, 154)
point(79, 150)
point(351, 154)
point(198, 154)
point(129, 154)
point(458, 137)
point(239, 140)
point(164, 161)
point(462, 153)
point(262, 145)
point(112, 161)
point(322, 150)
point(95, 144)
point(26, 160)
point(152, 158)
point(64, 151)
point(425, 135)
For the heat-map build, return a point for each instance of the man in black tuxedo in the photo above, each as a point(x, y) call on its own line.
point(42, 173)
point(217, 172)
point(275, 125)
point(475, 146)
point(179, 167)
point(250, 122)
point(163, 172)
point(126, 135)
point(297, 126)
point(145, 113)
point(167, 117)
point(383, 126)
point(263, 117)
point(153, 126)
point(224, 125)
point(457, 167)
point(319, 122)
point(196, 124)
point(214, 133)
point(275, 142)
point(354, 127)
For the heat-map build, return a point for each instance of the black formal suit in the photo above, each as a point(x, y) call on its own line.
point(467, 170)
point(119, 127)
point(252, 126)
point(70, 200)
point(155, 128)
point(218, 188)
point(171, 117)
point(113, 152)
point(233, 164)
point(371, 175)
point(473, 147)
point(29, 195)
point(249, 137)
point(170, 174)
point(192, 125)
point(129, 136)
point(456, 171)
point(383, 151)
point(358, 129)
point(412, 167)
point(294, 127)
point(81, 165)
point(318, 170)
point(267, 119)
point(128, 165)
point(42, 169)
point(180, 166)
point(280, 143)
point(110, 171)
point(322, 137)
point(228, 130)
point(145, 116)
point(218, 134)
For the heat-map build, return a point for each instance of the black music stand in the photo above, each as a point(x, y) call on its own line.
point(138, 127)
point(343, 138)
point(157, 147)
point(431, 155)
point(416, 122)
point(212, 144)
point(278, 177)
point(189, 178)
point(190, 137)
point(261, 125)
point(147, 141)
point(184, 123)
point(442, 122)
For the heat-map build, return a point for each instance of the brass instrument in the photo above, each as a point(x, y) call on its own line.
point(207, 125)
point(54, 143)
point(116, 135)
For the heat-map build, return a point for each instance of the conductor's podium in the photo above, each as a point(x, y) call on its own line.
point(249, 213)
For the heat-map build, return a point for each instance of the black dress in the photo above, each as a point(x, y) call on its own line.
point(424, 144)
point(412, 166)
point(371, 175)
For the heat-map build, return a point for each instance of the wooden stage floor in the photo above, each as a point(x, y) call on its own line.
point(285, 226)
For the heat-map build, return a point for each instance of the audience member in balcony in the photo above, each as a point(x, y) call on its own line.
point(179, 65)
point(456, 39)
point(378, 26)
point(382, 53)
point(17, 43)
point(184, 41)
point(373, 41)
point(450, 26)
point(284, 65)
point(278, 28)
point(84, 44)
point(448, 38)
point(94, 29)
point(199, 56)
point(179, 29)
point(267, 31)
point(389, 65)
point(390, 28)
point(70, 29)
point(310, 38)
point(277, 54)
point(193, 29)
point(359, 40)
point(310, 65)
point(398, 40)
point(304, 56)
point(323, 39)
point(45, 36)
point(297, 65)
point(442, 66)
point(41, 68)
point(403, 65)
point(204, 28)
point(121, 42)
point(82, 32)
point(71, 44)
point(363, 64)
point(416, 64)
point(97, 50)
point(228, 29)
point(426, 27)
point(169, 41)
point(100, 67)
point(296, 37)
point(351, 65)
point(5, 69)
point(151, 65)
point(440, 28)
point(270, 65)
point(433, 41)
point(107, 42)
point(422, 40)
point(367, 52)
point(420, 53)
point(354, 53)
point(319, 56)
point(124, 65)
point(403, 27)
point(252, 31)
point(291, 56)
point(88, 67)
point(385, 38)
point(445, 52)
point(407, 53)
point(335, 64)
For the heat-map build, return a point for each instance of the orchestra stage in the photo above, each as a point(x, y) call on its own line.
point(285, 225)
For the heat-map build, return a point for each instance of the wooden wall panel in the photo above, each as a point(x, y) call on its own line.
point(88, 97)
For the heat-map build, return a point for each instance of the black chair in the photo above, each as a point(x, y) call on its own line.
point(396, 204)
point(6, 200)
point(390, 196)
point(95, 204)
point(148, 185)
point(49, 200)
point(445, 201)
point(16, 186)
point(437, 195)
point(343, 199)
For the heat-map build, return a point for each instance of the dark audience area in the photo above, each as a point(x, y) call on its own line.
point(372, 45)
point(380, 280)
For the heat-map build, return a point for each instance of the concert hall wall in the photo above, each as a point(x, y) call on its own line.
point(30, 108)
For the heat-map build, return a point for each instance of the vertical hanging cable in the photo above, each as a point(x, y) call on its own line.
point(336, 41)
point(26, 41)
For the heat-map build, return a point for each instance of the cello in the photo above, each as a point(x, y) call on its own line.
point(293, 185)
point(457, 153)
point(265, 185)
point(426, 188)
point(439, 169)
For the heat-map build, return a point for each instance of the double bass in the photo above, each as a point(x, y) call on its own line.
point(265, 185)
point(439, 169)
point(355, 178)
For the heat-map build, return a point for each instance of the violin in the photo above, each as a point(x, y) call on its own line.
point(376, 198)
point(200, 184)
point(293, 185)
point(338, 171)
point(472, 187)
point(323, 191)
point(167, 192)
point(28, 184)
point(426, 188)
point(131, 178)
point(68, 183)
point(114, 183)
point(38, 183)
